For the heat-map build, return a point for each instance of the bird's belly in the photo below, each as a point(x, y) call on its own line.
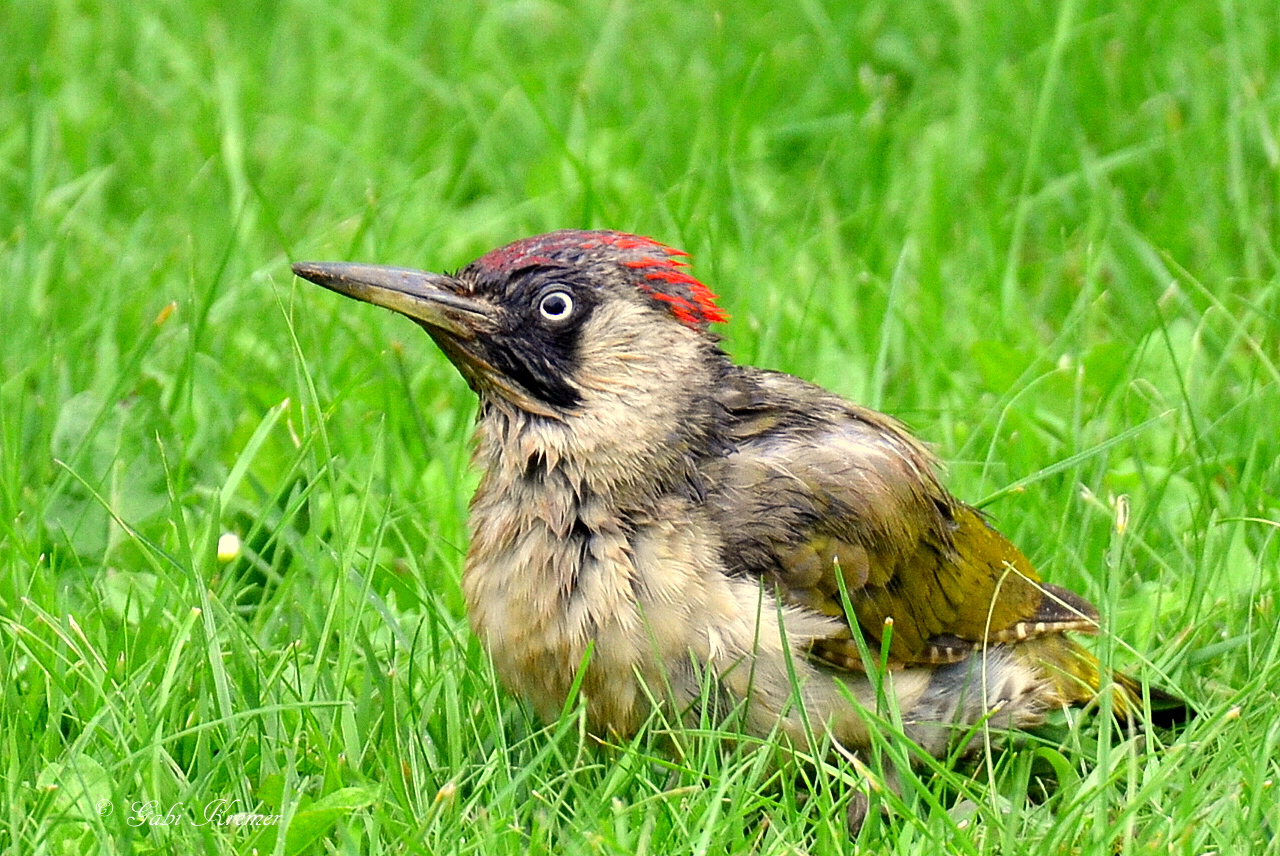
point(647, 608)
point(643, 604)
point(544, 606)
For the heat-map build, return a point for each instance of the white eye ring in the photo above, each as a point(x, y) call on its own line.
point(556, 305)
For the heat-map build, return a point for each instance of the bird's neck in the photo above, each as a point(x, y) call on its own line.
point(641, 427)
point(625, 462)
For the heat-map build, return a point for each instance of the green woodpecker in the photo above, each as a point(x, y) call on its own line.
point(693, 523)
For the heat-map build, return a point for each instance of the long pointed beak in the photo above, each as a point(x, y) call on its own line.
point(431, 299)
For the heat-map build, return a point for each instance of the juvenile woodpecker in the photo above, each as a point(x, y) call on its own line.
point(693, 523)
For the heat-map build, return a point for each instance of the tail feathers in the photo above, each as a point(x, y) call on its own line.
point(1073, 678)
point(1165, 711)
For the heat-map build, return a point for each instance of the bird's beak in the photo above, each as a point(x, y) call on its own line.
point(431, 299)
point(458, 323)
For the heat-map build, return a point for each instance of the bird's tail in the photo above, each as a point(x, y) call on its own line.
point(1075, 678)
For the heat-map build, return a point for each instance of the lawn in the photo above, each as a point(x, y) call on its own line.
point(233, 505)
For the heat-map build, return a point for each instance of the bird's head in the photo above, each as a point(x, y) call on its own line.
point(555, 325)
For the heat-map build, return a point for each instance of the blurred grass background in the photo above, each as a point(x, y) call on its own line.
point(1043, 234)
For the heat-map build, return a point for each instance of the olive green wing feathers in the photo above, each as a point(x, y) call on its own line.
point(822, 495)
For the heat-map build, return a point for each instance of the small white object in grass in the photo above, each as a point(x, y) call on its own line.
point(1122, 513)
point(228, 546)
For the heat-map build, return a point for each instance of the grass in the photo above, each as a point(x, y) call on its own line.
point(1044, 234)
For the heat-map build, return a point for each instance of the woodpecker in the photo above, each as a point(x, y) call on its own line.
point(709, 537)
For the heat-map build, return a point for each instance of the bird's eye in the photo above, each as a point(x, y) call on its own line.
point(556, 306)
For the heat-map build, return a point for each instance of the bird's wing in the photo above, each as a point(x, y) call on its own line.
point(821, 494)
